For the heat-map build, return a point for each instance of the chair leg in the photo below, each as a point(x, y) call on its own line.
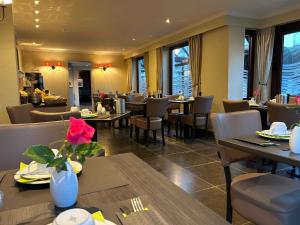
point(146, 137)
point(206, 127)
point(228, 191)
point(169, 127)
point(154, 135)
point(274, 167)
point(260, 165)
point(131, 130)
point(137, 132)
point(163, 133)
point(176, 128)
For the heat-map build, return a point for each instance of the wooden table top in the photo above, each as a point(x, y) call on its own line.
point(112, 117)
point(174, 205)
point(279, 153)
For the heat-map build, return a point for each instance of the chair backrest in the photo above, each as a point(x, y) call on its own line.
point(283, 113)
point(37, 116)
point(235, 124)
point(157, 107)
point(202, 105)
point(235, 105)
point(20, 113)
point(135, 98)
point(16, 138)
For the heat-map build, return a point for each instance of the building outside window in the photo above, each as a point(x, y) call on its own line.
point(181, 81)
point(141, 76)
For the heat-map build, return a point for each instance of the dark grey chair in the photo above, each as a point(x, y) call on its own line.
point(20, 114)
point(154, 120)
point(235, 105)
point(37, 116)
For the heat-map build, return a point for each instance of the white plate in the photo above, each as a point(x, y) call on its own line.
point(268, 132)
point(97, 222)
point(18, 177)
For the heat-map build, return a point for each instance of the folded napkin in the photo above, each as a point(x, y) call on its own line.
point(145, 217)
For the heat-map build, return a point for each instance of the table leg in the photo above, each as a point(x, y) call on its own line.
point(186, 112)
point(94, 125)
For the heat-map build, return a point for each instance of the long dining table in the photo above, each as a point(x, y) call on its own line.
point(106, 184)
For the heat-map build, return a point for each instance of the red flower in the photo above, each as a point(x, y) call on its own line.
point(79, 132)
point(298, 100)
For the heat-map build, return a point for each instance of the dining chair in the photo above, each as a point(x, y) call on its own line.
point(16, 138)
point(283, 113)
point(235, 105)
point(20, 114)
point(264, 199)
point(37, 116)
point(154, 119)
point(173, 113)
point(200, 112)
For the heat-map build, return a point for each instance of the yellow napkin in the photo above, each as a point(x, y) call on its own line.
point(98, 216)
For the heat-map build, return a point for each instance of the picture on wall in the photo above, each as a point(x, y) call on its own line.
point(80, 82)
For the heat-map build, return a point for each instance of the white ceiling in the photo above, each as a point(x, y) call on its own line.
point(110, 25)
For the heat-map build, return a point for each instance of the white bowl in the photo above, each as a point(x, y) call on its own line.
point(278, 128)
point(74, 217)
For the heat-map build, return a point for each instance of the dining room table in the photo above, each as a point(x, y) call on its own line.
point(107, 184)
point(280, 152)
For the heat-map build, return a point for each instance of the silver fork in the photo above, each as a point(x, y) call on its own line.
point(137, 204)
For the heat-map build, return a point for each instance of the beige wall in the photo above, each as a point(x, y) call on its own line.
point(8, 66)
point(57, 81)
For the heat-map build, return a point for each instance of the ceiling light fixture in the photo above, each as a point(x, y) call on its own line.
point(3, 5)
point(133, 39)
point(37, 20)
point(36, 11)
point(168, 21)
point(37, 26)
point(36, 2)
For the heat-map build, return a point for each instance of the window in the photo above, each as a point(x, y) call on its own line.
point(286, 60)
point(181, 81)
point(141, 76)
point(290, 80)
point(249, 46)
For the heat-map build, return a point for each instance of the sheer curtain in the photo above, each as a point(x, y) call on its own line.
point(195, 43)
point(159, 68)
point(264, 54)
point(146, 64)
point(129, 74)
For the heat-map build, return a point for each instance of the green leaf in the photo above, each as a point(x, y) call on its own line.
point(57, 162)
point(40, 153)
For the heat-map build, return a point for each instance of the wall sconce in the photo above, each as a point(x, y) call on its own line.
point(3, 5)
point(53, 66)
point(104, 67)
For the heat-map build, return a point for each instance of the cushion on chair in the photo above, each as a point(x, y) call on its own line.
point(133, 119)
point(189, 120)
point(155, 123)
point(267, 200)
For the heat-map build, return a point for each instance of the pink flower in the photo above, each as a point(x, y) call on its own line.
point(298, 100)
point(79, 132)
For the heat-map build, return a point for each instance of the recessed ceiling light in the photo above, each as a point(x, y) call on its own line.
point(37, 20)
point(123, 49)
point(36, 11)
point(37, 26)
point(133, 39)
point(36, 2)
point(168, 21)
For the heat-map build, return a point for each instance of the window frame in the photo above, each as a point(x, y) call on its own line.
point(280, 31)
point(251, 58)
point(137, 72)
point(180, 45)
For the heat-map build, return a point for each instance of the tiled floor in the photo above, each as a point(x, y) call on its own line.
point(193, 165)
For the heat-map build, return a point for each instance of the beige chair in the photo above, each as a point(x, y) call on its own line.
point(16, 138)
point(20, 113)
point(283, 113)
point(37, 116)
point(264, 199)
point(156, 110)
point(201, 110)
point(233, 105)
point(174, 115)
